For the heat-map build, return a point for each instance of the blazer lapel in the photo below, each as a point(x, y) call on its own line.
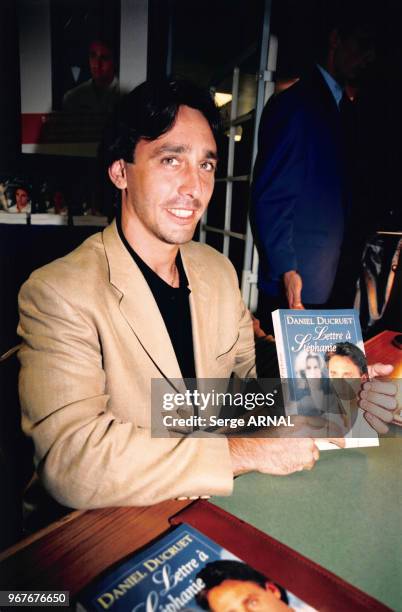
point(138, 306)
point(200, 305)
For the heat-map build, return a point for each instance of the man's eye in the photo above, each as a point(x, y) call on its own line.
point(170, 161)
point(252, 603)
point(208, 166)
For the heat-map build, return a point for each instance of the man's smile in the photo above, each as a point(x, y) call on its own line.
point(181, 213)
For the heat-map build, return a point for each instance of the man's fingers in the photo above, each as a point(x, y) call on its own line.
point(338, 441)
point(377, 411)
point(388, 402)
point(293, 287)
point(380, 386)
point(380, 369)
point(376, 423)
point(316, 453)
point(295, 301)
point(315, 456)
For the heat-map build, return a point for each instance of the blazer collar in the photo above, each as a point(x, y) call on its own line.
point(316, 81)
point(138, 306)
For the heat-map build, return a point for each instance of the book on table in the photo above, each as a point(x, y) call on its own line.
point(186, 571)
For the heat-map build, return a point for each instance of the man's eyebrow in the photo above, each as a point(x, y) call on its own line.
point(178, 149)
point(170, 148)
point(211, 155)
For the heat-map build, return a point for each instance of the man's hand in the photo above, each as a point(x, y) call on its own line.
point(259, 332)
point(272, 456)
point(378, 398)
point(293, 286)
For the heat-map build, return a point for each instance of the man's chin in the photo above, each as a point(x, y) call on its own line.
point(179, 237)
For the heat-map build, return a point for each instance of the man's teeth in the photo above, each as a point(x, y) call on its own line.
point(181, 212)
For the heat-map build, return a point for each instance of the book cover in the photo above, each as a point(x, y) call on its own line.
point(322, 365)
point(187, 571)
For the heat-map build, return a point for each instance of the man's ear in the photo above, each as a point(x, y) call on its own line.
point(117, 174)
point(272, 588)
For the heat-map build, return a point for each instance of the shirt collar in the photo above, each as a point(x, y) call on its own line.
point(333, 85)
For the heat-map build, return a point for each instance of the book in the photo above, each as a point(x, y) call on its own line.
point(322, 365)
point(48, 219)
point(13, 218)
point(184, 570)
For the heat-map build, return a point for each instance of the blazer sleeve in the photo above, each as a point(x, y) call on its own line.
point(245, 364)
point(279, 174)
point(85, 456)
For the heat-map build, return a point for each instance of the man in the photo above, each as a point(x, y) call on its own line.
point(22, 203)
point(233, 586)
point(100, 93)
point(99, 325)
point(301, 187)
point(140, 302)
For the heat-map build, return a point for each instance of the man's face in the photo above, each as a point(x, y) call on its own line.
point(170, 183)
point(346, 376)
point(243, 596)
point(343, 367)
point(354, 55)
point(101, 64)
point(21, 198)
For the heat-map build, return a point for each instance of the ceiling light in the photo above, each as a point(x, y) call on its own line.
point(222, 98)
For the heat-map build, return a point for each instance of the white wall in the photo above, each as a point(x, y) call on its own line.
point(35, 56)
point(133, 43)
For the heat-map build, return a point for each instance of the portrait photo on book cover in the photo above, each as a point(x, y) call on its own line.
point(322, 380)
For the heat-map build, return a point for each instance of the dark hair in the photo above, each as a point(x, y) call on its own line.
point(213, 574)
point(347, 349)
point(347, 18)
point(106, 41)
point(149, 111)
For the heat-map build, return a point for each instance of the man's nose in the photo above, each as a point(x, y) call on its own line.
point(190, 184)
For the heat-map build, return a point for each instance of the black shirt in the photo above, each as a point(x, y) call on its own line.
point(174, 306)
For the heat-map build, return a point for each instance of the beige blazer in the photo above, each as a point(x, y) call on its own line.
point(93, 338)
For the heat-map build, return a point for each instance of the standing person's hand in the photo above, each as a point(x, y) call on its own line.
point(293, 287)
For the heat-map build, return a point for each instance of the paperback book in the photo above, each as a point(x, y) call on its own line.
point(322, 365)
point(185, 571)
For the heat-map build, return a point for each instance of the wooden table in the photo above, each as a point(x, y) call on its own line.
point(345, 514)
point(71, 552)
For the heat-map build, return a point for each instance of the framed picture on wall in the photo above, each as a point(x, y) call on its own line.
point(75, 64)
